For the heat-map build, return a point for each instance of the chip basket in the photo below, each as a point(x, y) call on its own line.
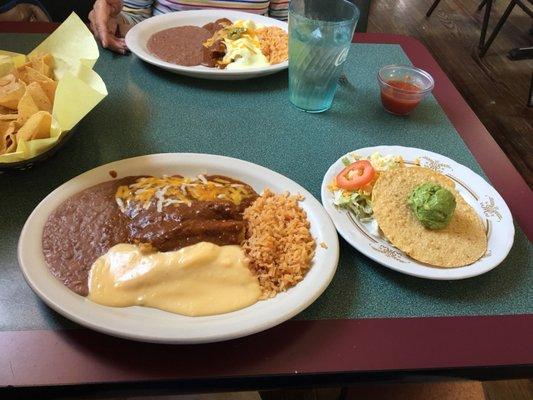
point(26, 164)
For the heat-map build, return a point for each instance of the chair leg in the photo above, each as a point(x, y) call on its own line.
point(486, 18)
point(481, 5)
point(530, 99)
point(526, 9)
point(432, 8)
point(497, 28)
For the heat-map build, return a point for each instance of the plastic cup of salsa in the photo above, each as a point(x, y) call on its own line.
point(403, 87)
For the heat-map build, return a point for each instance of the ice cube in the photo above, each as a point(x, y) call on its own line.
point(317, 34)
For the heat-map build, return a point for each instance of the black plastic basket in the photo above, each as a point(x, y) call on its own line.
point(26, 164)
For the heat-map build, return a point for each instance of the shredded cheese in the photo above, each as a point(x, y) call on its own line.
point(176, 190)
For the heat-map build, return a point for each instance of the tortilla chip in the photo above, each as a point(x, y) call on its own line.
point(5, 110)
point(26, 108)
point(11, 91)
point(49, 87)
point(37, 69)
point(8, 117)
point(39, 97)
point(36, 127)
point(461, 243)
point(7, 65)
point(43, 64)
point(8, 139)
point(24, 65)
point(35, 76)
point(5, 126)
point(21, 74)
point(7, 80)
point(7, 113)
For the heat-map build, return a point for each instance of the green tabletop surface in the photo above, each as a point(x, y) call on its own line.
point(152, 111)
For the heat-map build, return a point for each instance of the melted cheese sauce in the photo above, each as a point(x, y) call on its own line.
point(244, 52)
point(202, 279)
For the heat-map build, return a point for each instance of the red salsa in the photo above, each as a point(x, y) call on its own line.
point(401, 101)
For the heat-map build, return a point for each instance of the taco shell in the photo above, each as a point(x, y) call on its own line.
point(460, 243)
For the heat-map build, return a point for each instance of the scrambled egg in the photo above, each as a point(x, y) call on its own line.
point(243, 47)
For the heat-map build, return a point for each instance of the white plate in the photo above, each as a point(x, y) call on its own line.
point(146, 324)
point(138, 36)
point(475, 190)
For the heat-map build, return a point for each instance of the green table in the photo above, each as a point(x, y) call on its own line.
point(367, 319)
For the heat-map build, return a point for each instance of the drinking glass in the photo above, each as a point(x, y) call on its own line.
point(320, 33)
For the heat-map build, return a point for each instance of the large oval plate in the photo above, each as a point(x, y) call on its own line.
point(146, 324)
point(475, 190)
point(138, 36)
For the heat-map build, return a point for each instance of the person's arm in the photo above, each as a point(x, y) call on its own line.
point(104, 23)
point(279, 9)
point(111, 19)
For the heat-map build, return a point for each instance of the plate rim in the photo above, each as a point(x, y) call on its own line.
point(331, 267)
point(447, 273)
point(133, 43)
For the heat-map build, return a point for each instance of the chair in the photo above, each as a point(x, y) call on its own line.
point(24, 10)
point(505, 15)
point(496, 30)
point(43, 10)
point(485, 3)
point(524, 53)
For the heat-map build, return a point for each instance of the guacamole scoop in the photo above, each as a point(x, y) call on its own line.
point(432, 204)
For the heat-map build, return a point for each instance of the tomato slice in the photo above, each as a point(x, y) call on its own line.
point(356, 175)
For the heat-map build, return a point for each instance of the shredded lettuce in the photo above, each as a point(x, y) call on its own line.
point(357, 201)
point(346, 161)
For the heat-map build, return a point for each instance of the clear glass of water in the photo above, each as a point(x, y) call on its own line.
point(320, 33)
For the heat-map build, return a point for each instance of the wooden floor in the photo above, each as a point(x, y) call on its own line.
point(495, 87)
point(461, 390)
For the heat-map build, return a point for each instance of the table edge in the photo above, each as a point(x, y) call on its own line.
point(372, 345)
point(27, 27)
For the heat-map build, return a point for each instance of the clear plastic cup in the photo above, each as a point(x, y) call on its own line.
point(403, 87)
point(320, 34)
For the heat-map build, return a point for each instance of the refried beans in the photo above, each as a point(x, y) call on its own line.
point(182, 45)
point(88, 224)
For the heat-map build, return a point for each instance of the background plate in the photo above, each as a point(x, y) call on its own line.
point(153, 325)
point(475, 190)
point(138, 36)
